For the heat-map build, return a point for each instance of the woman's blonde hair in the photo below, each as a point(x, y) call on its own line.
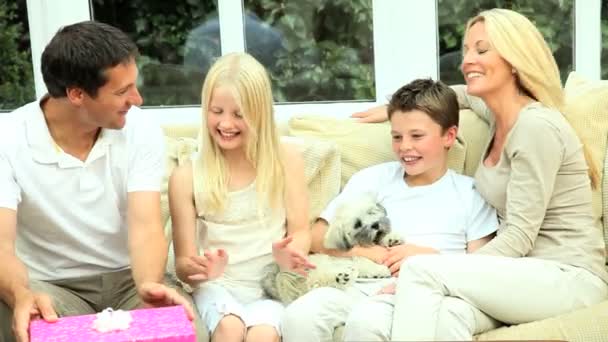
point(249, 83)
point(518, 41)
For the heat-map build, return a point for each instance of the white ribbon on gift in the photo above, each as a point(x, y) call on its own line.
point(110, 320)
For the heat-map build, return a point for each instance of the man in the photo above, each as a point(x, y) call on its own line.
point(80, 173)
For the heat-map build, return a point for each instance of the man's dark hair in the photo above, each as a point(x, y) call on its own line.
point(79, 54)
point(434, 98)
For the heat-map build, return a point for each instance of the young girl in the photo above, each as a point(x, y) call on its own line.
point(237, 198)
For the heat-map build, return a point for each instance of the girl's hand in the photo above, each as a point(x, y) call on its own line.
point(210, 266)
point(289, 258)
point(398, 254)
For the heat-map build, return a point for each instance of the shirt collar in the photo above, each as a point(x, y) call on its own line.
point(45, 150)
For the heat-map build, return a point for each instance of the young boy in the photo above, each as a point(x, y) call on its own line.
point(434, 209)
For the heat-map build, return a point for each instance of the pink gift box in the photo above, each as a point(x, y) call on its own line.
point(168, 324)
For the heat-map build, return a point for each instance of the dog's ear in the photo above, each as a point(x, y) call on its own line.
point(335, 237)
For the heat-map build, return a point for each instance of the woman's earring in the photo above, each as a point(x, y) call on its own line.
point(513, 71)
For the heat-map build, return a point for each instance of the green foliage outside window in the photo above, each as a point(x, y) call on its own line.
point(16, 73)
point(160, 29)
point(325, 55)
point(326, 45)
point(327, 52)
point(553, 19)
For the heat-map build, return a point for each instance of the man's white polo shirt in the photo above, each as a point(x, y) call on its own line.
point(72, 215)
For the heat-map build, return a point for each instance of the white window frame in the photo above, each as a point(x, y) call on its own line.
point(405, 47)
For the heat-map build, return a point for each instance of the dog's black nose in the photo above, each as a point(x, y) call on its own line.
point(375, 226)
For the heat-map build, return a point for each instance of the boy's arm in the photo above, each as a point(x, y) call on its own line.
point(482, 223)
point(474, 245)
point(319, 228)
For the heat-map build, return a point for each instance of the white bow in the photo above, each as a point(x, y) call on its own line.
point(110, 320)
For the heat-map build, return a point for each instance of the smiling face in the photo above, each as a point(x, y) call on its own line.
point(485, 71)
point(225, 121)
point(421, 146)
point(114, 99)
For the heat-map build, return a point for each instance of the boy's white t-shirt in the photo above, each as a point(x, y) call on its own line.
point(445, 215)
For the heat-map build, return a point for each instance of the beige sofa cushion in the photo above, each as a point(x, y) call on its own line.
point(475, 134)
point(584, 325)
point(605, 203)
point(321, 171)
point(321, 161)
point(360, 145)
point(587, 110)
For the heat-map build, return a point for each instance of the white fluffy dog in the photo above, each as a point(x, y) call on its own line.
point(360, 221)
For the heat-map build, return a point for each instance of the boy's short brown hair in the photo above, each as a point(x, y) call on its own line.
point(434, 98)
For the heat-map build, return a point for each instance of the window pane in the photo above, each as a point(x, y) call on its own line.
point(178, 40)
point(315, 51)
point(16, 72)
point(553, 18)
point(604, 39)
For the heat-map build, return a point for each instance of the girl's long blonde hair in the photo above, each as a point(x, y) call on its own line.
point(519, 42)
point(250, 86)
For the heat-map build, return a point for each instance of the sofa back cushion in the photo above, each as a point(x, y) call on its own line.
point(321, 171)
point(605, 203)
point(360, 144)
point(474, 133)
point(321, 162)
point(587, 110)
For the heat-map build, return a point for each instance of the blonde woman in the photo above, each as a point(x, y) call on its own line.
point(236, 194)
point(548, 257)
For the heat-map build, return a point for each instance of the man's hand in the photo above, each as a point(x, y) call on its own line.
point(157, 295)
point(210, 266)
point(398, 254)
point(289, 258)
point(30, 305)
point(377, 254)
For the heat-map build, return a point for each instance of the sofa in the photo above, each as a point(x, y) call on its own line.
point(335, 148)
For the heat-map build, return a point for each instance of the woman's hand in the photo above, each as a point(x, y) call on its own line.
point(289, 258)
point(374, 114)
point(398, 254)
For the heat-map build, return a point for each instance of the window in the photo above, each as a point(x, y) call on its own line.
point(178, 41)
point(16, 71)
point(378, 45)
point(553, 19)
point(314, 51)
point(604, 19)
